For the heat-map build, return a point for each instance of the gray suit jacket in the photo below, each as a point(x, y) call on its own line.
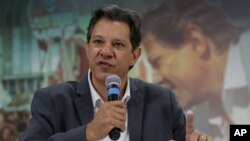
point(61, 113)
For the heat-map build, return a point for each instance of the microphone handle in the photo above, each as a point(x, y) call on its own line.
point(114, 134)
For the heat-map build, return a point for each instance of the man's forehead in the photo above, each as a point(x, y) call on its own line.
point(111, 29)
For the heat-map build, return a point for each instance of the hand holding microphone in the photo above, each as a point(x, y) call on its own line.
point(111, 116)
point(113, 83)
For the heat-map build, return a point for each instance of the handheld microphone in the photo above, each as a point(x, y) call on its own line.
point(113, 83)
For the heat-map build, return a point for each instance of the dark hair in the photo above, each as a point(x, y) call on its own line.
point(115, 13)
point(169, 21)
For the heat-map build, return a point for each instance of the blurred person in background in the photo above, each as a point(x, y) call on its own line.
point(196, 51)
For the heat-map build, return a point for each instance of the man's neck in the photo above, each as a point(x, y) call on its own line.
point(100, 88)
point(218, 67)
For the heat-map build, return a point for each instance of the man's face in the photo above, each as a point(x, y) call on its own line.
point(109, 50)
point(178, 68)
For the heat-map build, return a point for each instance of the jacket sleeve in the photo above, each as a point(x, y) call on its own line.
point(44, 122)
point(179, 119)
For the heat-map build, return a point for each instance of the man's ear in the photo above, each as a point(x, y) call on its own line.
point(135, 55)
point(198, 39)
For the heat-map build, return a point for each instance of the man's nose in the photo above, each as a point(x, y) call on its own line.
point(107, 51)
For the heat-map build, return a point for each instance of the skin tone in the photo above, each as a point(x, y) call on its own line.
point(109, 51)
point(191, 133)
point(194, 70)
point(205, 66)
point(106, 53)
point(173, 69)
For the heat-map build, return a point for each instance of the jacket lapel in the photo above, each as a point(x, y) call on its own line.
point(135, 111)
point(83, 102)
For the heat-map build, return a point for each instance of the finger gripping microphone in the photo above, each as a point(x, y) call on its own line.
point(113, 83)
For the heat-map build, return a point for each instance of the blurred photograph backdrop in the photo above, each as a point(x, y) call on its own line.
point(198, 48)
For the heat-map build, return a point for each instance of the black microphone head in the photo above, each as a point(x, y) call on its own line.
point(113, 79)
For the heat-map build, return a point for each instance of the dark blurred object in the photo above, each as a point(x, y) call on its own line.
point(42, 45)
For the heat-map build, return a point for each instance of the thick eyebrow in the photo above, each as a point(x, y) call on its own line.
point(115, 40)
point(120, 41)
point(97, 36)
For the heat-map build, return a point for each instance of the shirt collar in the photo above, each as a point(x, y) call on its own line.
point(97, 100)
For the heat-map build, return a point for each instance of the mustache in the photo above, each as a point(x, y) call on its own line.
point(105, 61)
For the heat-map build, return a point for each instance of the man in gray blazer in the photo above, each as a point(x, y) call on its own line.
point(80, 111)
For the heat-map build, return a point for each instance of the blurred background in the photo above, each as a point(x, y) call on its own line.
point(41, 44)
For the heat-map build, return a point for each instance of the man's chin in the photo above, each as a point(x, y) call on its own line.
point(102, 75)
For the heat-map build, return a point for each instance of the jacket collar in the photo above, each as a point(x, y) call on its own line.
point(135, 110)
point(83, 101)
